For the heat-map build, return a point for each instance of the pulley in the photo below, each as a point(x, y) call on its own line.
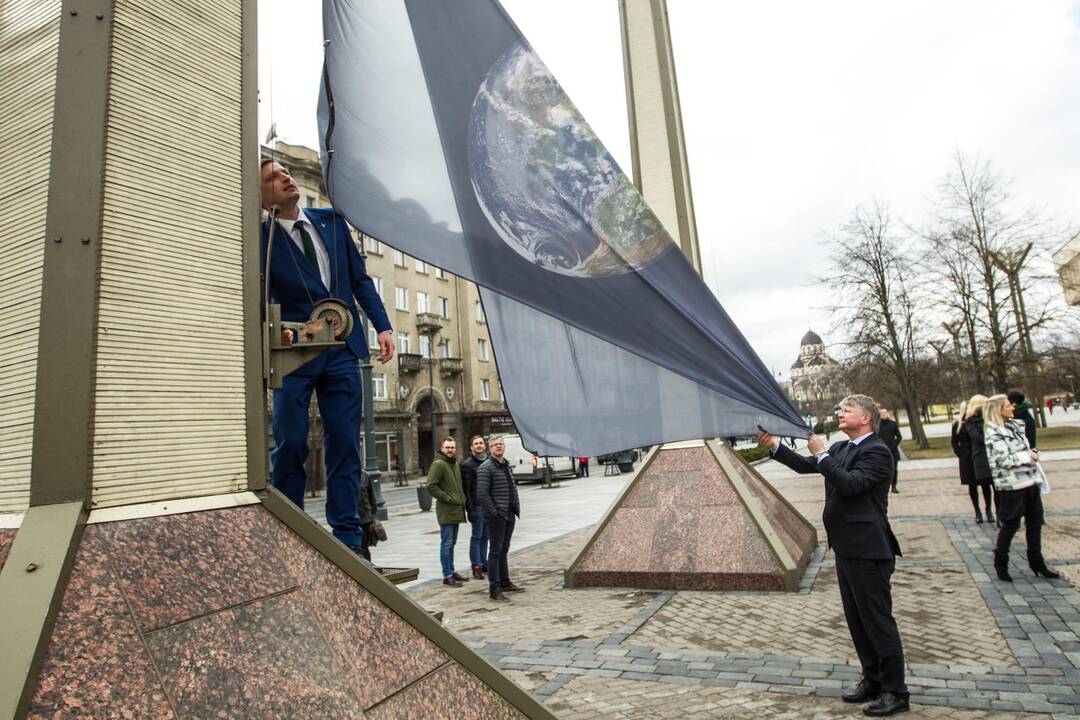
point(336, 314)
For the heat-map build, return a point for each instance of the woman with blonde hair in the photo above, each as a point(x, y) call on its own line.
point(968, 444)
point(1013, 466)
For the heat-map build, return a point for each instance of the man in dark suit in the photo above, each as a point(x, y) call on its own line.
point(314, 258)
point(858, 472)
point(889, 432)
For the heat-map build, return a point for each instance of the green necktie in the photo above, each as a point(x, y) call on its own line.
point(309, 246)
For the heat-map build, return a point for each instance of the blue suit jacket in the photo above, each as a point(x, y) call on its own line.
point(292, 279)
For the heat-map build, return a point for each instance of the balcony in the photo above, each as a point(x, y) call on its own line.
point(450, 366)
point(428, 323)
point(409, 363)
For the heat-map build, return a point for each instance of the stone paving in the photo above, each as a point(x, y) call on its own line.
point(976, 648)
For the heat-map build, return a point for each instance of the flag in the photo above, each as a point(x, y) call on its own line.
point(445, 136)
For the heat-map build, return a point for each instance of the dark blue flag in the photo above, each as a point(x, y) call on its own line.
point(445, 136)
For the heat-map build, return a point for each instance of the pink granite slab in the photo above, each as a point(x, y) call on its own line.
point(625, 544)
point(798, 537)
point(96, 665)
point(452, 692)
point(178, 567)
point(266, 659)
point(381, 652)
point(7, 536)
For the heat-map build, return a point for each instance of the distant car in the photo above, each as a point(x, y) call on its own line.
point(527, 467)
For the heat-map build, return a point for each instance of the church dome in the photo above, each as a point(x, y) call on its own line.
point(811, 338)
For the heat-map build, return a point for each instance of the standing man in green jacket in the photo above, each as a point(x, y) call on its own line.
point(444, 484)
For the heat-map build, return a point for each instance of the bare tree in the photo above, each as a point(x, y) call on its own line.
point(875, 307)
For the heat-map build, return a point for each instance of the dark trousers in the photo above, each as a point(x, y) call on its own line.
point(1013, 505)
point(500, 530)
point(866, 593)
point(335, 377)
point(895, 470)
point(973, 491)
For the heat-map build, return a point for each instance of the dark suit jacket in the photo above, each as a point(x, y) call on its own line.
point(856, 497)
point(889, 432)
point(292, 279)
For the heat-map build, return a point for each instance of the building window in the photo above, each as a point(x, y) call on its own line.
point(399, 258)
point(444, 348)
point(378, 386)
point(309, 201)
point(425, 346)
point(440, 273)
point(485, 389)
point(372, 246)
point(377, 282)
point(372, 338)
point(421, 267)
point(479, 312)
point(404, 343)
point(386, 449)
point(481, 349)
point(423, 302)
point(444, 307)
point(401, 298)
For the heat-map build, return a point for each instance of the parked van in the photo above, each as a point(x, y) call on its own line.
point(527, 467)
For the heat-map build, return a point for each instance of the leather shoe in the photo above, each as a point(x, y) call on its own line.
point(460, 578)
point(478, 572)
point(498, 596)
point(1043, 571)
point(451, 581)
point(512, 588)
point(888, 704)
point(864, 691)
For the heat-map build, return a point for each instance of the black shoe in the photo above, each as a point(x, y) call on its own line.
point(451, 581)
point(888, 704)
point(1041, 570)
point(1003, 573)
point(978, 516)
point(460, 578)
point(895, 489)
point(864, 691)
point(478, 572)
point(511, 587)
point(990, 519)
point(497, 596)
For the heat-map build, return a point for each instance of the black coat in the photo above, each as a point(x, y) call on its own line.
point(961, 447)
point(469, 467)
point(496, 491)
point(1029, 425)
point(973, 426)
point(856, 497)
point(889, 432)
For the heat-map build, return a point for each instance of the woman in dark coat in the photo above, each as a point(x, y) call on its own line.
point(970, 447)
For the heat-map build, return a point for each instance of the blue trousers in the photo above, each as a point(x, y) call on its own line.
point(447, 540)
point(335, 377)
point(478, 541)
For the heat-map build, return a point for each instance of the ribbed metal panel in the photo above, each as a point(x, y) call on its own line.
point(29, 38)
point(169, 396)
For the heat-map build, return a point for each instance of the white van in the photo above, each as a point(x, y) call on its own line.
point(527, 467)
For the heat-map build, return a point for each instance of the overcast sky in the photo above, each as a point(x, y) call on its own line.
point(794, 113)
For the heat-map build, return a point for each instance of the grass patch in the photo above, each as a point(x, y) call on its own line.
point(1055, 438)
point(751, 454)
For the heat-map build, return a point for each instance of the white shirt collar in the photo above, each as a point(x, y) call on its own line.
point(858, 440)
point(287, 225)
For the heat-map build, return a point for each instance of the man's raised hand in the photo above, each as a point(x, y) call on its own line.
point(764, 439)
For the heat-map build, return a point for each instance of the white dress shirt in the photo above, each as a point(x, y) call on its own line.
point(323, 257)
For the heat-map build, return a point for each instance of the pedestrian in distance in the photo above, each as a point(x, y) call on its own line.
point(889, 432)
point(478, 539)
point(444, 484)
point(314, 258)
point(497, 496)
point(1014, 466)
point(858, 474)
point(1022, 412)
point(583, 466)
point(961, 446)
point(973, 427)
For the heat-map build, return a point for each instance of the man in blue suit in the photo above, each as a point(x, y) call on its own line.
point(315, 258)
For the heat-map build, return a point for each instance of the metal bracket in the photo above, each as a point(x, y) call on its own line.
point(310, 339)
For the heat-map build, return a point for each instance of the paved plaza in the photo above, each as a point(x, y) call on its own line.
point(975, 647)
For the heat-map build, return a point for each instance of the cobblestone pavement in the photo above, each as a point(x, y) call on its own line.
point(976, 648)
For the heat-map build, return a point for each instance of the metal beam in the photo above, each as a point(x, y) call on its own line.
point(67, 339)
point(32, 586)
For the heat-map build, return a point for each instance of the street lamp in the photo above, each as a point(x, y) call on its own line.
point(431, 391)
point(371, 458)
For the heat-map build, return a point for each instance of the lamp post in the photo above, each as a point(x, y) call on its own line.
point(371, 457)
point(431, 391)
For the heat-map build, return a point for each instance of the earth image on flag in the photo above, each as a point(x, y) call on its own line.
point(546, 183)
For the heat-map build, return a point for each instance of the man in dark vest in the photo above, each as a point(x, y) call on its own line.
point(858, 472)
